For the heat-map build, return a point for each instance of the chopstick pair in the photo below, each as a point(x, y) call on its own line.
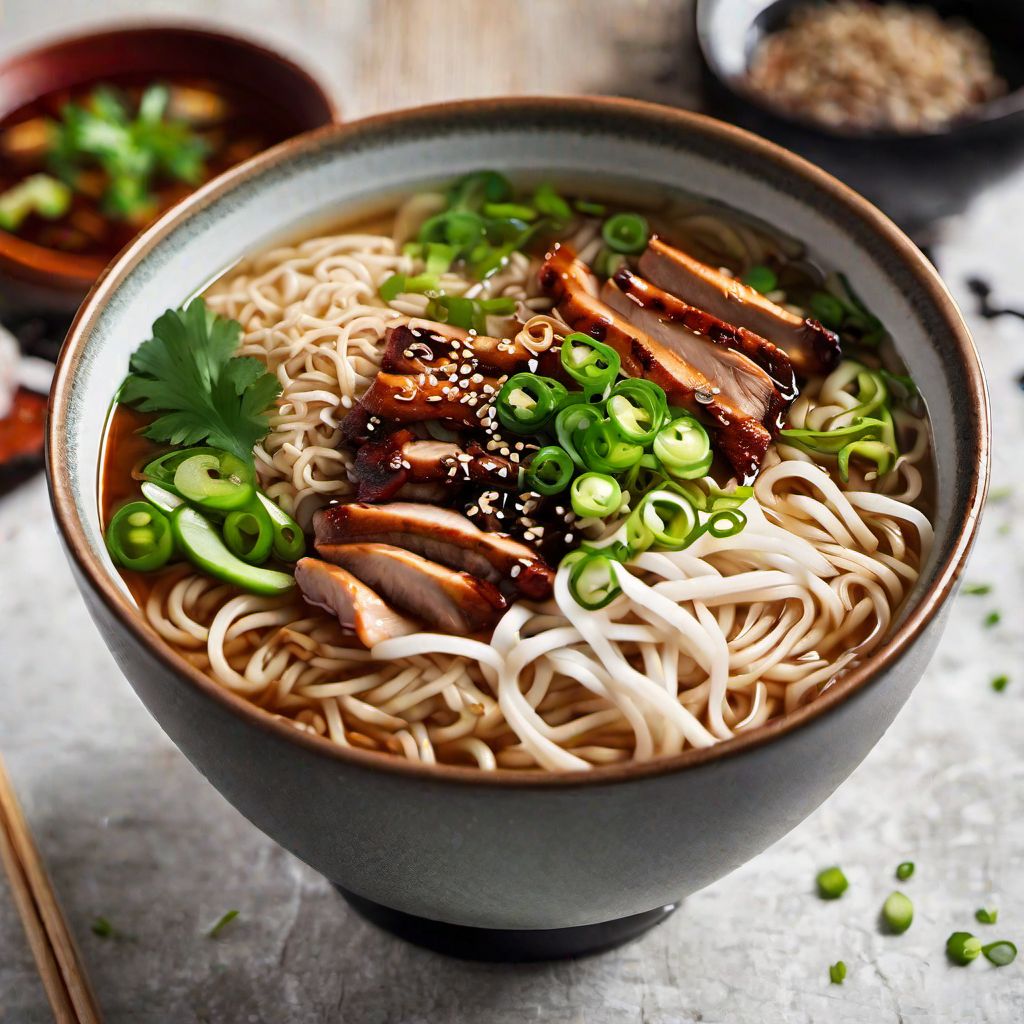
point(49, 938)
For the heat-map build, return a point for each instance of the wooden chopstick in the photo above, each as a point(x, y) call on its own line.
point(66, 984)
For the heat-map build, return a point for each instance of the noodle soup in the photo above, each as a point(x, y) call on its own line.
point(523, 478)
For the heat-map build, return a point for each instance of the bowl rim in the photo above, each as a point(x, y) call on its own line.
point(66, 271)
point(990, 113)
point(102, 584)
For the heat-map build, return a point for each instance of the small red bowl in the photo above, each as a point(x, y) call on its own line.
point(39, 279)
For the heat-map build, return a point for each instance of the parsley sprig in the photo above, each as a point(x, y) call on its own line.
point(189, 373)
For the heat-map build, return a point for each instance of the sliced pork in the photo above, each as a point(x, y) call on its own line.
point(669, 307)
point(440, 535)
point(745, 384)
point(811, 347)
point(356, 606)
point(741, 437)
point(384, 468)
point(445, 599)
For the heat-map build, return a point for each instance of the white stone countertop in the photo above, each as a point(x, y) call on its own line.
point(131, 832)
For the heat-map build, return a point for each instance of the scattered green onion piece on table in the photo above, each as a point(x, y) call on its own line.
point(527, 401)
point(626, 233)
point(603, 451)
point(992, 619)
point(905, 870)
point(962, 948)
point(289, 540)
point(549, 471)
point(103, 928)
point(684, 448)
point(595, 495)
point(590, 363)
point(837, 973)
point(214, 480)
point(139, 537)
point(1000, 953)
point(761, 278)
point(222, 923)
point(977, 589)
point(986, 915)
point(592, 581)
point(898, 912)
point(832, 883)
point(203, 545)
point(249, 533)
point(551, 204)
point(1000, 683)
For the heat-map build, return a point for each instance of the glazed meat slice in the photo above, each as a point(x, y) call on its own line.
point(669, 307)
point(413, 399)
point(383, 468)
point(740, 380)
point(811, 347)
point(742, 438)
point(445, 599)
point(420, 346)
point(440, 535)
point(357, 607)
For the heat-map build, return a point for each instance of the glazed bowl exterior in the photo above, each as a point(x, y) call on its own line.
point(508, 850)
point(34, 278)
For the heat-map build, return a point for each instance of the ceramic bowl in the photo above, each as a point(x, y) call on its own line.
point(544, 863)
point(917, 178)
point(35, 278)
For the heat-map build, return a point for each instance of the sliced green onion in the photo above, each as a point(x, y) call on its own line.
point(898, 912)
point(832, 883)
point(606, 263)
point(165, 500)
point(549, 471)
point(595, 495)
point(161, 470)
point(504, 211)
point(603, 451)
point(38, 193)
point(591, 209)
point(216, 480)
point(986, 915)
point(139, 537)
point(837, 973)
point(668, 517)
point(904, 870)
point(590, 363)
point(726, 522)
point(977, 589)
point(454, 310)
point(202, 544)
point(222, 923)
point(827, 309)
point(1000, 953)
point(460, 229)
point(570, 425)
point(638, 408)
point(992, 619)
point(527, 402)
point(438, 257)
point(831, 442)
point(877, 452)
point(249, 533)
point(551, 204)
point(1000, 683)
point(478, 187)
point(592, 581)
point(289, 540)
point(962, 948)
point(761, 278)
point(626, 232)
point(684, 448)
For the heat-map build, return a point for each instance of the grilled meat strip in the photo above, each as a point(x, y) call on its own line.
point(811, 347)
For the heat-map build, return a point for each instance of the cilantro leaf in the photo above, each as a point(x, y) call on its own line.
point(188, 373)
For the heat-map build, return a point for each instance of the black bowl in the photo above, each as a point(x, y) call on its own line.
point(916, 178)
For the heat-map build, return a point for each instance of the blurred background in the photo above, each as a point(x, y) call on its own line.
point(134, 837)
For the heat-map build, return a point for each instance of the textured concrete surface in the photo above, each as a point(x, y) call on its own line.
point(132, 833)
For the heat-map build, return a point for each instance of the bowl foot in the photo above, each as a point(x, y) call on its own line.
point(504, 944)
